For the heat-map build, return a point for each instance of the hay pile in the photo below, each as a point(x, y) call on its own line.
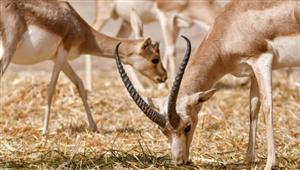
point(126, 138)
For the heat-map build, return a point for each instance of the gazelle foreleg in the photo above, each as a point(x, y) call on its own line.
point(104, 11)
point(58, 64)
point(254, 110)
point(262, 68)
point(98, 25)
point(67, 69)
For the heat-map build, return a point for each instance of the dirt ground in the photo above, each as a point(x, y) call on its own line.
point(126, 139)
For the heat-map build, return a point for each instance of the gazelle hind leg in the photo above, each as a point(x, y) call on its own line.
point(170, 33)
point(88, 72)
point(125, 32)
point(292, 73)
point(254, 109)
point(11, 36)
point(262, 68)
point(136, 24)
point(67, 69)
point(59, 62)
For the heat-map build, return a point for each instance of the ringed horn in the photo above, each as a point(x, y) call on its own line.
point(149, 112)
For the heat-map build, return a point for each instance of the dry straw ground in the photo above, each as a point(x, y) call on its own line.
point(126, 138)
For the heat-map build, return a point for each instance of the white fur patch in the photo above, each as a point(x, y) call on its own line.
point(36, 45)
point(287, 49)
point(203, 25)
point(1, 50)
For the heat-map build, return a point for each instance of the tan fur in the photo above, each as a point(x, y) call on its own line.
point(52, 30)
point(249, 38)
point(172, 15)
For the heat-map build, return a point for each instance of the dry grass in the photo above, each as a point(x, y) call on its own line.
point(126, 138)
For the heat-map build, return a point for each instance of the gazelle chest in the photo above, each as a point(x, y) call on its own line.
point(36, 45)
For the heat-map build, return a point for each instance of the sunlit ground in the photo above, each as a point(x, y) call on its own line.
point(125, 137)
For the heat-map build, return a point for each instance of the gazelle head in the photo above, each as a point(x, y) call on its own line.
point(146, 59)
point(177, 120)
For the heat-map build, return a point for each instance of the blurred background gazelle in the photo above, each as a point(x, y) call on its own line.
point(115, 21)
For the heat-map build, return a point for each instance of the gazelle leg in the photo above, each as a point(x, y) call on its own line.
point(262, 68)
point(67, 69)
point(88, 72)
point(170, 32)
point(104, 12)
point(12, 35)
point(98, 24)
point(136, 24)
point(292, 73)
point(59, 62)
point(125, 32)
point(254, 109)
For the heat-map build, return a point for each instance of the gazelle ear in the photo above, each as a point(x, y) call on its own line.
point(156, 46)
point(147, 42)
point(200, 97)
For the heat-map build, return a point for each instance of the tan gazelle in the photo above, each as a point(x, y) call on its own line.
point(249, 38)
point(35, 31)
point(172, 16)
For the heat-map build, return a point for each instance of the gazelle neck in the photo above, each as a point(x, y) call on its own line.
point(204, 69)
point(101, 45)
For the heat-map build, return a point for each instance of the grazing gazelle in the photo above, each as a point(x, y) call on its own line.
point(35, 31)
point(249, 38)
point(172, 16)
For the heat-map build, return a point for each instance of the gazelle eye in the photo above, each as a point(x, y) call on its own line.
point(187, 129)
point(155, 61)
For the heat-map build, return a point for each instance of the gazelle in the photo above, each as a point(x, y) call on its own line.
point(172, 16)
point(35, 31)
point(249, 38)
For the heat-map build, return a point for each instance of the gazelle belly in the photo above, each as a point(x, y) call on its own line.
point(36, 45)
point(287, 50)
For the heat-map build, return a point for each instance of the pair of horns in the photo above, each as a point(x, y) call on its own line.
point(153, 115)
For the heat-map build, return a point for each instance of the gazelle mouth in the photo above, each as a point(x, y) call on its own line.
point(160, 79)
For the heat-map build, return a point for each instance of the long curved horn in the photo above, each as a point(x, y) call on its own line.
point(172, 113)
point(149, 112)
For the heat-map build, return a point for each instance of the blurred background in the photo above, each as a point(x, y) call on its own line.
point(86, 8)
